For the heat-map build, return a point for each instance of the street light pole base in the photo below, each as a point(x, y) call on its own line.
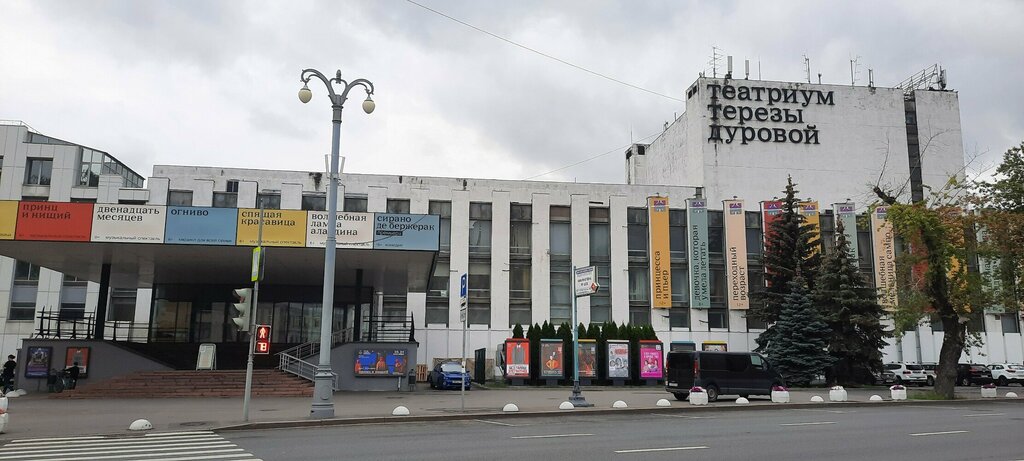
point(323, 391)
point(576, 399)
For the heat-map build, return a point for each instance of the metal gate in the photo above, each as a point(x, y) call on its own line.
point(480, 365)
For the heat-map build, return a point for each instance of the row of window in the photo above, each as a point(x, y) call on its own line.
point(39, 171)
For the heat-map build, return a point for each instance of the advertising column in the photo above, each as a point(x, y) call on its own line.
point(846, 213)
point(697, 236)
point(736, 254)
point(661, 273)
point(883, 241)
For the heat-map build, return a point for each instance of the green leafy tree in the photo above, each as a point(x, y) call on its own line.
point(1002, 217)
point(800, 352)
point(850, 308)
point(791, 247)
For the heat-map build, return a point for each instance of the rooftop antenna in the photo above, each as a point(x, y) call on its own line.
point(728, 67)
point(716, 59)
point(854, 64)
point(759, 68)
point(807, 67)
point(871, 78)
point(819, 78)
point(746, 69)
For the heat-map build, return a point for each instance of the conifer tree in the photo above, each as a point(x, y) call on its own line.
point(799, 352)
point(791, 246)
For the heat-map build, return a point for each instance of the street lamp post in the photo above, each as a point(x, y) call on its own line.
point(323, 379)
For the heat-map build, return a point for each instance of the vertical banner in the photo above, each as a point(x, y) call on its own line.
point(884, 243)
point(8, 219)
point(809, 210)
point(770, 211)
point(736, 254)
point(697, 236)
point(846, 213)
point(661, 273)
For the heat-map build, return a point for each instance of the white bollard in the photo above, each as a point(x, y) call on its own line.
point(400, 411)
point(989, 392)
point(566, 406)
point(664, 403)
point(876, 398)
point(21, 392)
point(4, 419)
point(742, 401)
point(837, 394)
point(1011, 395)
point(510, 408)
point(12, 394)
point(3, 405)
point(619, 404)
point(817, 399)
point(140, 425)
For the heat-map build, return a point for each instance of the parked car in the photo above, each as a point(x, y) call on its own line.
point(969, 374)
point(449, 375)
point(737, 373)
point(1005, 373)
point(883, 376)
point(907, 373)
point(929, 372)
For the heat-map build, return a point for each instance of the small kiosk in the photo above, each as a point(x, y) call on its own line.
point(552, 361)
point(517, 360)
point(587, 361)
point(618, 362)
point(652, 359)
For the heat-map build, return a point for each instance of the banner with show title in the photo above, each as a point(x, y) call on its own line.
point(810, 211)
point(128, 223)
point(661, 272)
point(8, 219)
point(281, 228)
point(736, 254)
point(988, 268)
point(355, 230)
point(52, 221)
point(771, 210)
point(884, 243)
point(700, 262)
point(846, 213)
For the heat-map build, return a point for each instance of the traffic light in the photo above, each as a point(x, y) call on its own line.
point(244, 307)
point(262, 340)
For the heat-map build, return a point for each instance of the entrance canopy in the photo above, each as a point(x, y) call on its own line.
point(150, 244)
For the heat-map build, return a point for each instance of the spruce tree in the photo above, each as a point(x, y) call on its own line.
point(799, 352)
point(791, 246)
point(851, 310)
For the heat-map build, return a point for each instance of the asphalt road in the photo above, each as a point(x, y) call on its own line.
point(953, 431)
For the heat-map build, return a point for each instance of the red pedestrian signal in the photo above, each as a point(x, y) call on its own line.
point(262, 339)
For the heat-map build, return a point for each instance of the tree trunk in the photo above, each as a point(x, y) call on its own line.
point(953, 339)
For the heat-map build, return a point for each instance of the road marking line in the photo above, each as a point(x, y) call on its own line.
point(76, 454)
point(816, 423)
point(683, 416)
point(550, 436)
point(984, 414)
point(54, 439)
point(934, 406)
point(247, 457)
point(119, 447)
point(165, 434)
point(115, 441)
point(647, 450)
point(938, 433)
point(494, 422)
point(824, 411)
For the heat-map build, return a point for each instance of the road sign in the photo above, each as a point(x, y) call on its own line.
point(586, 281)
point(262, 340)
point(256, 253)
point(464, 286)
point(462, 314)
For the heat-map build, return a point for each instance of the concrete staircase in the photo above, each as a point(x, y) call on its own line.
point(213, 383)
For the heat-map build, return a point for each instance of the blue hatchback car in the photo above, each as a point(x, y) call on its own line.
point(449, 375)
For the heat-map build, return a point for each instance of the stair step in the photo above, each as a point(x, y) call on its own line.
point(188, 383)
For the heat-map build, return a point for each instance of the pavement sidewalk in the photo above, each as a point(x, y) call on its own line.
point(36, 415)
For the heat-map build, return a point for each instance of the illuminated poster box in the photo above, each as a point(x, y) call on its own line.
point(517, 358)
point(381, 362)
point(651, 359)
point(552, 359)
point(618, 359)
point(588, 358)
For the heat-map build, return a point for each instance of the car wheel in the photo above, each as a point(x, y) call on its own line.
point(680, 396)
point(712, 391)
point(1002, 381)
point(930, 381)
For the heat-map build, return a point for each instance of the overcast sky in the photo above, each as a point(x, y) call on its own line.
point(214, 83)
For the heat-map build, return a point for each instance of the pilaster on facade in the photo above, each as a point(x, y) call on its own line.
point(540, 254)
point(617, 205)
point(247, 192)
point(459, 253)
point(419, 200)
point(202, 195)
point(159, 189)
point(500, 229)
point(377, 199)
point(291, 196)
point(580, 225)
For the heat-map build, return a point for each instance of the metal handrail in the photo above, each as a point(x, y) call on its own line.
point(301, 368)
point(313, 347)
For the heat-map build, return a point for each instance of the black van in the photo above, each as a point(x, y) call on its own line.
point(738, 373)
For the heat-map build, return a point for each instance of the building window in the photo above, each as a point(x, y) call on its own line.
point(639, 286)
point(72, 311)
point(479, 292)
point(394, 307)
point(679, 315)
point(398, 206)
point(37, 172)
point(122, 305)
point(269, 201)
point(480, 228)
point(225, 199)
point(231, 186)
point(1009, 323)
point(444, 210)
point(90, 167)
point(357, 204)
point(718, 318)
point(314, 202)
point(520, 239)
point(561, 240)
point(636, 232)
point(677, 234)
point(26, 273)
point(1, 167)
point(179, 198)
point(640, 315)
point(520, 293)
point(22, 311)
point(561, 298)
point(437, 295)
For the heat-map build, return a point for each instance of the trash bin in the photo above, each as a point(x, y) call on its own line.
point(410, 381)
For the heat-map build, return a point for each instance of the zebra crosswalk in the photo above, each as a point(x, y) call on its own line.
point(165, 446)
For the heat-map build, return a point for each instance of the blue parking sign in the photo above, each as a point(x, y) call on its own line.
point(464, 286)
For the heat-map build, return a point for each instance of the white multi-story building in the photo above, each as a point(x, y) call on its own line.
point(519, 240)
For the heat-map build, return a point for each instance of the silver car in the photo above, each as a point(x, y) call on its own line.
point(908, 373)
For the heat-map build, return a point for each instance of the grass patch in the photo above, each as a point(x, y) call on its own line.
point(925, 395)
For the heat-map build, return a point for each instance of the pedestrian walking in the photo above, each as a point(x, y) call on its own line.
point(73, 371)
point(7, 375)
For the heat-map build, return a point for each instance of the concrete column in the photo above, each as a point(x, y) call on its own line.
point(419, 201)
point(581, 249)
point(158, 191)
point(540, 264)
point(291, 196)
point(376, 199)
point(501, 210)
point(620, 258)
point(459, 259)
point(202, 195)
point(101, 303)
point(247, 191)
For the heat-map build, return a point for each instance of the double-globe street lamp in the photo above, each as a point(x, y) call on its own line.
point(323, 378)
